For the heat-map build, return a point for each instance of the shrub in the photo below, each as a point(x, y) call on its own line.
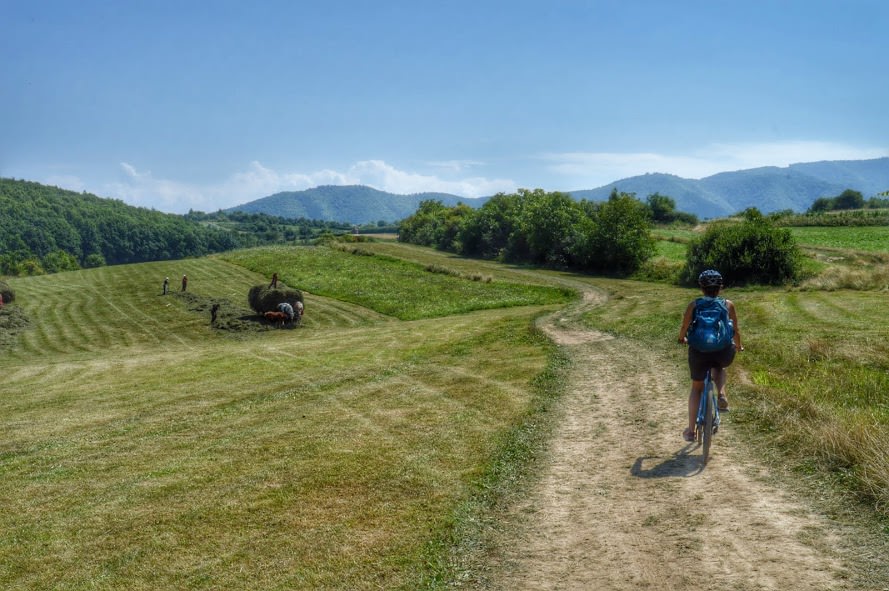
point(753, 251)
point(6, 291)
point(265, 299)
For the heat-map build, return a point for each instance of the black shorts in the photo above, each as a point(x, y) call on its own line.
point(700, 362)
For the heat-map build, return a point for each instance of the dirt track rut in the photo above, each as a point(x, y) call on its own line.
point(624, 503)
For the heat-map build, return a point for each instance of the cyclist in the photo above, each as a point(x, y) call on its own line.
point(700, 362)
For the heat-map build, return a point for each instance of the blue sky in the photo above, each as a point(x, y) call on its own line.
point(205, 105)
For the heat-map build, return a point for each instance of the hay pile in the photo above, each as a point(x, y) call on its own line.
point(264, 299)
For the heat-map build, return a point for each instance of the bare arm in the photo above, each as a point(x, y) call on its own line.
point(733, 316)
point(686, 321)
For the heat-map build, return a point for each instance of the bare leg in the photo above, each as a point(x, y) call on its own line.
point(720, 376)
point(694, 400)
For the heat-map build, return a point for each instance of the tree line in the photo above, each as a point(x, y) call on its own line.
point(544, 228)
point(611, 237)
point(847, 200)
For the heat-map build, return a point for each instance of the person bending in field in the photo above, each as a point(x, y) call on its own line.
point(710, 329)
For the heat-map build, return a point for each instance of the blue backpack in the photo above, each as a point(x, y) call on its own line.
point(710, 329)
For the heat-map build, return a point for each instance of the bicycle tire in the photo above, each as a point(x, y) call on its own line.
point(709, 416)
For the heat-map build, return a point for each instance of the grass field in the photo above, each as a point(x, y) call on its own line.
point(862, 238)
point(145, 449)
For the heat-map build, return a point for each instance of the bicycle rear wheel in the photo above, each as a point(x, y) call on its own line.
point(709, 403)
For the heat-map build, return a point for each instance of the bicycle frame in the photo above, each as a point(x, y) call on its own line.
point(708, 415)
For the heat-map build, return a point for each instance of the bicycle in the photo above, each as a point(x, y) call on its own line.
point(707, 423)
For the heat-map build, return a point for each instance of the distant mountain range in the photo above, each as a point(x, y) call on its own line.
point(769, 189)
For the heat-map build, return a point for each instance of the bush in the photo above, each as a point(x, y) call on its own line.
point(264, 299)
point(753, 251)
point(6, 291)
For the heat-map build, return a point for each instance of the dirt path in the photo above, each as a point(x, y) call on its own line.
point(624, 503)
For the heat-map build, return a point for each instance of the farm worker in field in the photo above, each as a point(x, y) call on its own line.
point(287, 309)
point(166, 285)
point(184, 282)
point(213, 311)
point(274, 283)
point(299, 311)
point(710, 329)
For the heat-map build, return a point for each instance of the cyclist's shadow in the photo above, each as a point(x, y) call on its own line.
point(682, 465)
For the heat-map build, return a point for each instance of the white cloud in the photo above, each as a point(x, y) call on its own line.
point(145, 190)
point(455, 165)
point(595, 169)
point(382, 176)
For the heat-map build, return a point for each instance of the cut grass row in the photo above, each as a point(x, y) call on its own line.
point(143, 449)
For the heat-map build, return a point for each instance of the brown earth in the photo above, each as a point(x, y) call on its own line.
point(624, 503)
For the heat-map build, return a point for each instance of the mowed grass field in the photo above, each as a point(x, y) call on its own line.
point(143, 448)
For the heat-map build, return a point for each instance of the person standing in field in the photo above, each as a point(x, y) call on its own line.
point(166, 285)
point(710, 329)
point(184, 282)
point(299, 312)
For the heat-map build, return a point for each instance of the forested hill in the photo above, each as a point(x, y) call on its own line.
point(51, 229)
point(356, 204)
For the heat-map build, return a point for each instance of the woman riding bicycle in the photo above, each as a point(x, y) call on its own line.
point(699, 361)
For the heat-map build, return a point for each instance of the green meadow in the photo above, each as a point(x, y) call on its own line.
point(144, 448)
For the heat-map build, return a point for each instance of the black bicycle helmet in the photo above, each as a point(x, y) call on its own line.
point(710, 278)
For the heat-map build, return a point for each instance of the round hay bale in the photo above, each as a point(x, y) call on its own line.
point(6, 292)
point(264, 299)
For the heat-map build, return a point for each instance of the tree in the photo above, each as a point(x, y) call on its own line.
point(548, 222)
point(618, 239)
point(663, 210)
point(426, 226)
point(849, 199)
point(486, 232)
